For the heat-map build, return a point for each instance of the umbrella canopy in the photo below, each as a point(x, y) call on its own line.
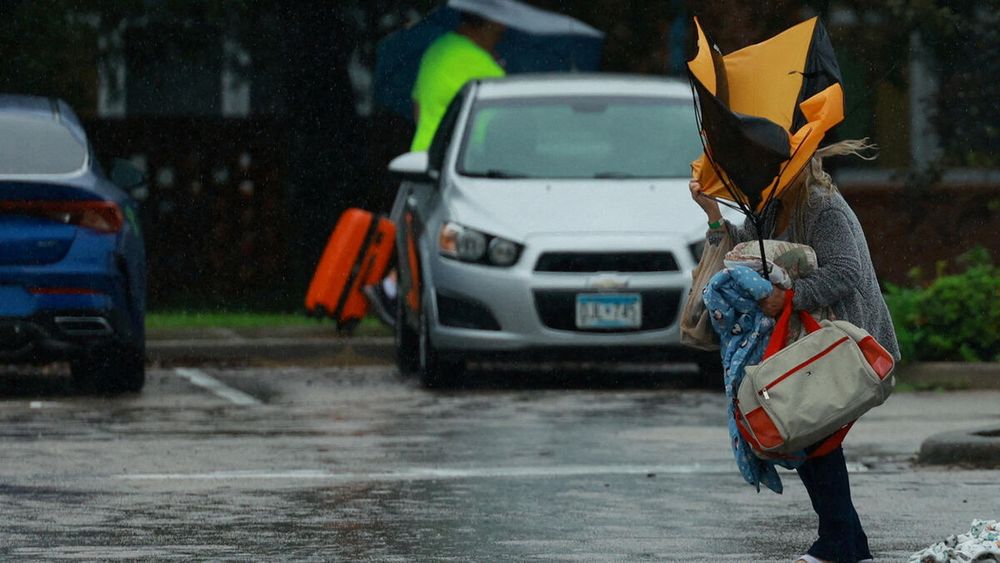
point(536, 41)
point(763, 111)
point(523, 17)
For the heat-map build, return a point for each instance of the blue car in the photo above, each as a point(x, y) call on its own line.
point(72, 261)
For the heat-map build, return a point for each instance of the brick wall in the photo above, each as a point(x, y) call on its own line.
point(909, 228)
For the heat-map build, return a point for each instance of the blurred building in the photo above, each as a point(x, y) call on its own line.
point(258, 129)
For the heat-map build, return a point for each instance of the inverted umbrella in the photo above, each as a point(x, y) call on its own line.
point(763, 111)
point(536, 41)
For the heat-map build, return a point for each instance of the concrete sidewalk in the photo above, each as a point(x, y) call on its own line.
point(295, 345)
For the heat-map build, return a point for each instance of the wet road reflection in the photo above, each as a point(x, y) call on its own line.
point(359, 464)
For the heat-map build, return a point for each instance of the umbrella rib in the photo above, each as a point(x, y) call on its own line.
point(721, 201)
point(777, 180)
point(771, 196)
point(744, 207)
point(742, 203)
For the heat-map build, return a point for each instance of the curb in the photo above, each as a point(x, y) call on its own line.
point(312, 346)
point(271, 351)
point(975, 448)
point(951, 375)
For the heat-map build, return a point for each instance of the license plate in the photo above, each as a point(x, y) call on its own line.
point(608, 311)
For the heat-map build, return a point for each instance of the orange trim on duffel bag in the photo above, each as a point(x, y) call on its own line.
point(877, 356)
point(746, 434)
point(831, 443)
point(763, 428)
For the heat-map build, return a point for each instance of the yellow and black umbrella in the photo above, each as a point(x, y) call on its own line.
point(762, 112)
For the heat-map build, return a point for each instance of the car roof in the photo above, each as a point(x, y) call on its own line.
point(531, 85)
point(37, 107)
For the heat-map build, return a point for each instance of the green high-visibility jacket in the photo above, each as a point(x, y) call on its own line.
point(451, 61)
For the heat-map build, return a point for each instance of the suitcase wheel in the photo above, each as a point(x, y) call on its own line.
point(348, 326)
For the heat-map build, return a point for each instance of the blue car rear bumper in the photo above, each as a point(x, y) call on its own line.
point(64, 310)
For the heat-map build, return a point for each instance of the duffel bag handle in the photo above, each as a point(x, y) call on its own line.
point(779, 336)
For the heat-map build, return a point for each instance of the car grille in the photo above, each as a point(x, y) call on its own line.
point(606, 262)
point(557, 309)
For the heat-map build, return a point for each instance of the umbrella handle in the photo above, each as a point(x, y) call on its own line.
point(763, 259)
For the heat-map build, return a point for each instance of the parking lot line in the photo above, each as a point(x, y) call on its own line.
point(445, 474)
point(205, 381)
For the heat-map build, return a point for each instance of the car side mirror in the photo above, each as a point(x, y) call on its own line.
point(126, 176)
point(413, 167)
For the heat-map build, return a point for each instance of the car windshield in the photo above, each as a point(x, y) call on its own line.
point(37, 146)
point(596, 137)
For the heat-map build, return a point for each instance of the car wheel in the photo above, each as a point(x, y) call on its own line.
point(407, 343)
point(711, 373)
point(436, 372)
point(120, 369)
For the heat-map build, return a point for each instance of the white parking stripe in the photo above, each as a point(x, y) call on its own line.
point(205, 381)
point(42, 404)
point(441, 474)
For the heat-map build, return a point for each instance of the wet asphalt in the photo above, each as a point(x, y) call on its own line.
point(359, 464)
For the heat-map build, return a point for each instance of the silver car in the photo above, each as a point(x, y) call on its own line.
point(550, 219)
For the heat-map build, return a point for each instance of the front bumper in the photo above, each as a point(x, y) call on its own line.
point(533, 309)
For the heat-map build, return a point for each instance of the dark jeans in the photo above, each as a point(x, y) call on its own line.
point(841, 538)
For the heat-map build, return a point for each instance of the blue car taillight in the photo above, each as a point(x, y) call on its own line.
point(100, 216)
point(63, 291)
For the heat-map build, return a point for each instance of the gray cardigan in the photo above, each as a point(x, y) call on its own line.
point(845, 279)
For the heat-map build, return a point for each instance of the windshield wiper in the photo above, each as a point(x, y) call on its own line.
point(497, 173)
point(601, 175)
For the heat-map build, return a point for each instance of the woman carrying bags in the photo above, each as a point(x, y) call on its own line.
point(812, 212)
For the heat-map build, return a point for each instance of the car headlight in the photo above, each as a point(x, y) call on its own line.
point(469, 245)
point(502, 252)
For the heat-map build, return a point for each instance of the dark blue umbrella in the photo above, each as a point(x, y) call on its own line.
point(535, 41)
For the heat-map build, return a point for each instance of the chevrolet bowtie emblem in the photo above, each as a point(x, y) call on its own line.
point(608, 281)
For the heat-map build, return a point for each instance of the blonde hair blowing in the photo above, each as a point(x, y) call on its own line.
point(814, 175)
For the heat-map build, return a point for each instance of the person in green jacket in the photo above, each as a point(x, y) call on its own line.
point(452, 60)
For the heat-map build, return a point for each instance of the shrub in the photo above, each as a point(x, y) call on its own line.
point(902, 302)
point(955, 318)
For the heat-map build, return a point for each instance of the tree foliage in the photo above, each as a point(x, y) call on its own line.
point(962, 40)
point(56, 47)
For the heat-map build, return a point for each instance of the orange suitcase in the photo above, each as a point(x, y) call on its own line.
point(357, 255)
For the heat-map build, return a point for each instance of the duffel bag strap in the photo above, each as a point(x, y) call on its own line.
point(780, 333)
point(831, 443)
point(809, 322)
point(825, 447)
point(779, 336)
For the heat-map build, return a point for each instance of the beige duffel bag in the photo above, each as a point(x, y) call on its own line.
point(814, 388)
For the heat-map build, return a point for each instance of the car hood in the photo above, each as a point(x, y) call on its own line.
point(518, 208)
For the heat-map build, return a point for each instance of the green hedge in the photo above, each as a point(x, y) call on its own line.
point(954, 317)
